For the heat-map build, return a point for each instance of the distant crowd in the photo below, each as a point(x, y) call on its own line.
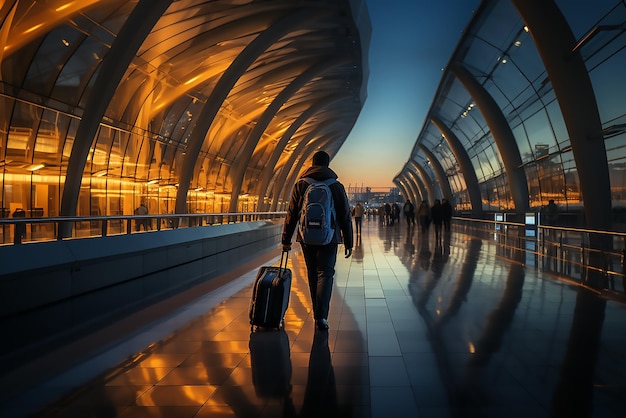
point(439, 214)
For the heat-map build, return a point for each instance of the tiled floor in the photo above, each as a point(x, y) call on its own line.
point(420, 327)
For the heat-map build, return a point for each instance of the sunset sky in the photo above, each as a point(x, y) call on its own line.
point(411, 42)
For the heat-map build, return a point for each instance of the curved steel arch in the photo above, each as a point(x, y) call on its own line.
point(287, 176)
point(411, 190)
point(502, 135)
point(322, 103)
point(444, 184)
point(574, 92)
point(399, 181)
point(223, 87)
point(114, 65)
point(471, 180)
point(428, 182)
point(270, 112)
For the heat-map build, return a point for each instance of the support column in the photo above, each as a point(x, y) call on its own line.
point(574, 92)
point(404, 188)
point(225, 84)
point(444, 184)
point(428, 182)
point(410, 185)
point(417, 195)
point(502, 135)
point(114, 65)
point(419, 185)
point(243, 159)
point(284, 181)
point(467, 168)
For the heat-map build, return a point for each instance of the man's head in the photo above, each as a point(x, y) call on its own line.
point(321, 158)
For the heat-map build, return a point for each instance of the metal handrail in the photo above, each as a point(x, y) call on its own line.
point(565, 252)
point(15, 231)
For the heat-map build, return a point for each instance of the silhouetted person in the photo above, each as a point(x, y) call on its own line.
point(141, 210)
point(447, 213)
point(387, 213)
point(436, 214)
point(423, 214)
point(320, 396)
point(320, 259)
point(395, 213)
point(409, 212)
point(381, 215)
point(357, 212)
point(20, 228)
point(552, 212)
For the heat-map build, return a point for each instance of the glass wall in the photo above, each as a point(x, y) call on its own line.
point(178, 109)
point(501, 55)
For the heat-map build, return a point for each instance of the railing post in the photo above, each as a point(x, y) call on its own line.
point(561, 252)
point(582, 254)
point(18, 229)
point(623, 253)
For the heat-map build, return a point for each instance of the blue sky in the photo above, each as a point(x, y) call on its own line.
point(411, 42)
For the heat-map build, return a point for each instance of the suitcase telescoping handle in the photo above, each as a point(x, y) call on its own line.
point(284, 255)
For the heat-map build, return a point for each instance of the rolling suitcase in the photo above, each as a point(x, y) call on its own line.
point(270, 295)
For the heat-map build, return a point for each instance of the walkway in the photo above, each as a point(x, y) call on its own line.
point(419, 328)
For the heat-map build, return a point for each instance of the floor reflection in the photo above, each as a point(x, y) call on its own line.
point(448, 326)
point(320, 397)
point(270, 360)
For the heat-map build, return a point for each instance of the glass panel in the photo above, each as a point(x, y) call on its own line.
point(610, 89)
point(572, 184)
point(582, 14)
point(534, 191)
point(616, 152)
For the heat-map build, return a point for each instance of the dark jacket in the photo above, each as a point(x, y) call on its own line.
point(343, 228)
point(436, 213)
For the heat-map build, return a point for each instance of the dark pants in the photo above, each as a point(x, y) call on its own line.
point(357, 224)
point(425, 223)
point(320, 264)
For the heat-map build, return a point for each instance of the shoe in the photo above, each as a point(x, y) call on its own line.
point(322, 324)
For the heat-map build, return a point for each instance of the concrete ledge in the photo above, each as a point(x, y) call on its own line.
point(53, 290)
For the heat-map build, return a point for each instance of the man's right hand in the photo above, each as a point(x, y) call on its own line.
point(286, 247)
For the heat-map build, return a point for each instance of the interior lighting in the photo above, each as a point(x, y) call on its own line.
point(35, 167)
point(64, 6)
point(192, 80)
point(33, 29)
point(153, 181)
point(517, 43)
point(526, 29)
point(65, 42)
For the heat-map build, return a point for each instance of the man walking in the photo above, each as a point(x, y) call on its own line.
point(320, 259)
point(357, 212)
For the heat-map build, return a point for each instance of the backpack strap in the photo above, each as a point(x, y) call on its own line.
point(327, 182)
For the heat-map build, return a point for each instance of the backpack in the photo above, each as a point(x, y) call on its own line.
point(317, 217)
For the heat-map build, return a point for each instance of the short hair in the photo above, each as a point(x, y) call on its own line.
point(321, 158)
